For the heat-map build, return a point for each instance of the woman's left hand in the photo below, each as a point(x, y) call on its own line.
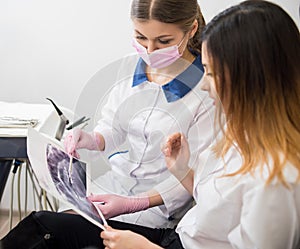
point(112, 205)
point(125, 239)
point(177, 155)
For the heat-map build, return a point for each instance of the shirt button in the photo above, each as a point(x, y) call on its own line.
point(47, 236)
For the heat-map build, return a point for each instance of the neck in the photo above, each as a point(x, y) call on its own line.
point(162, 76)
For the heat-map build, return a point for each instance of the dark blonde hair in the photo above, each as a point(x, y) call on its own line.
point(180, 12)
point(255, 51)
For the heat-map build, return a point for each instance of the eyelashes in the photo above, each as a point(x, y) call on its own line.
point(164, 42)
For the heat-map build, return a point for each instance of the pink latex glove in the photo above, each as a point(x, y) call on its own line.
point(113, 205)
point(78, 139)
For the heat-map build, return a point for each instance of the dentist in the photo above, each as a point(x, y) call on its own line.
point(161, 96)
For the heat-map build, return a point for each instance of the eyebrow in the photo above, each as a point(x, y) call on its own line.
point(162, 36)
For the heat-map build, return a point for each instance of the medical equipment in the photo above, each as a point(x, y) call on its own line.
point(15, 122)
point(78, 122)
point(62, 123)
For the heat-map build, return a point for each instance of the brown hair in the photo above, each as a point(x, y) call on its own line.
point(180, 12)
point(255, 51)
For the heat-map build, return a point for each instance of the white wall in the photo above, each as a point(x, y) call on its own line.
point(212, 7)
point(53, 48)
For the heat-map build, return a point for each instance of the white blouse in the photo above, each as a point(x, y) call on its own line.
point(240, 211)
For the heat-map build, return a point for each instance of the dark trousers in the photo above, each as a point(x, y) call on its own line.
point(61, 230)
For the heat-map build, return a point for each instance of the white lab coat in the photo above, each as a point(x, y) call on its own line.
point(141, 117)
point(240, 212)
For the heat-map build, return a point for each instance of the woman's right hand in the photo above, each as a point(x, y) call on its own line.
point(78, 139)
point(177, 155)
point(125, 239)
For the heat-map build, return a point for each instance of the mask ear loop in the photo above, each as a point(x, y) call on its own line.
point(180, 43)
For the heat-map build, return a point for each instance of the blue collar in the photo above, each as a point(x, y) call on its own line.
point(178, 87)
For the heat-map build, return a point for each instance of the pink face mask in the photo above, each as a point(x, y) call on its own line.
point(159, 58)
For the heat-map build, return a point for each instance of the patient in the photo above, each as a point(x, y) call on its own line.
point(246, 187)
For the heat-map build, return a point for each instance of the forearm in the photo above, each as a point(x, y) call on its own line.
point(155, 198)
point(186, 177)
point(188, 181)
point(100, 141)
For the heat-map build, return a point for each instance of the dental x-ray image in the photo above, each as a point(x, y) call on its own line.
point(65, 181)
point(71, 183)
point(70, 180)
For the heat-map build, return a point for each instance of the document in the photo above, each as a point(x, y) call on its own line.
point(64, 177)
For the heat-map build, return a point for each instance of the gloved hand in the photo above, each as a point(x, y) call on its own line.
point(114, 205)
point(78, 139)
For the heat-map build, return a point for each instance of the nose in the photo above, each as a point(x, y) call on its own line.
point(205, 86)
point(151, 46)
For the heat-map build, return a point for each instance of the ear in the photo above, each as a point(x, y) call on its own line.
point(194, 28)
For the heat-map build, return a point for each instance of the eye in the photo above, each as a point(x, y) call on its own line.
point(164, 41)
point(207, 72)
point(140, 37)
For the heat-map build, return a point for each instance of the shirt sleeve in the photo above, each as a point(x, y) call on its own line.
point(174, 195)
point(108, 125)
point(268, 220)
point(200, 136)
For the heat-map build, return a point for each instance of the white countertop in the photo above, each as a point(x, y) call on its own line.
point(44, 113)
